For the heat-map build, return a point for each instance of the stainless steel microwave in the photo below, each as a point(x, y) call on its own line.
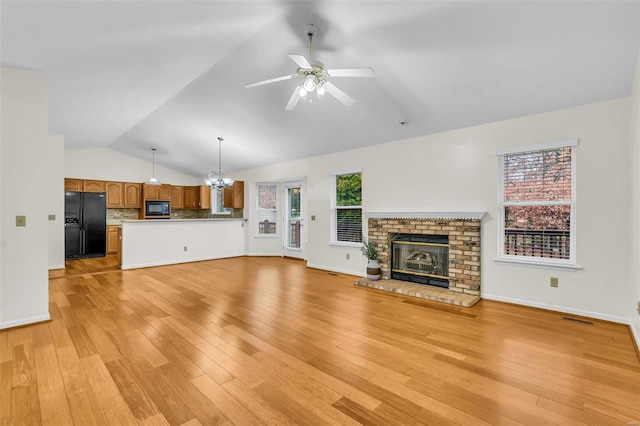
point(157, 209)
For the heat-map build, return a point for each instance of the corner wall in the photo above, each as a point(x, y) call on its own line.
point(634, 293)
point(458, 171)
point(25, 170)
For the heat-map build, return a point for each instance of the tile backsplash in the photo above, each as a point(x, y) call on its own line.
point(120, 214)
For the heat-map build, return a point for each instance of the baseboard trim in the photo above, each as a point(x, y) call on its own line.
point(556, 308)
point(25, 321)
point(338, 270)
point(55, 267)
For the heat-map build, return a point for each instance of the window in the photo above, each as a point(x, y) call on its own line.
point(346, 214)
point(538, 204)
point(267, 209)
point(217, 202)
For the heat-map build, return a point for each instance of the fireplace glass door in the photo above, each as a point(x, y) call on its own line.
point(421, 259)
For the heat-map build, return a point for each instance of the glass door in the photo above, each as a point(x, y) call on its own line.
point(293, 244)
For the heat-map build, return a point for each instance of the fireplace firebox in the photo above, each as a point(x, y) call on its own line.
point(422, 259)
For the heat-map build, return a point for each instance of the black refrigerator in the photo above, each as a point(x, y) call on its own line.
point(85, 224)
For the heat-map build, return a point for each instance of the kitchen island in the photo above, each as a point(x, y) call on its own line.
point(157, 242)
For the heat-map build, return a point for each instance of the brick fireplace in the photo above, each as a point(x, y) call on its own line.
point(462, 230)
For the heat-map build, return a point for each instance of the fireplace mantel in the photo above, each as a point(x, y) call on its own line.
point(425, 215)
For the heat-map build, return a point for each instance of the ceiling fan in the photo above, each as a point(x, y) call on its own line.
point(315, 78)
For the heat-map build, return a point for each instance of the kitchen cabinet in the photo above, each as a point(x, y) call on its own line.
point(131, 195)
point(150, 192)
point(115, 194)
point(205, 197)
point(191, 197)
point(93, 186)
point(73, 184)
point(112, 239)
point(177, 197)
point(234, 195)
point(164, 192)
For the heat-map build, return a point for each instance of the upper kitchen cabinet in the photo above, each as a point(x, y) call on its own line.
point(164, 192)
point(132, 196)
point(205, 197)
point(150, 192)
point(115, 195)
point(234, 195)
point(191, 197)
point(73, 184)
point(156, 192)
point(93, 186)
point(177, 197)
point(83, 185)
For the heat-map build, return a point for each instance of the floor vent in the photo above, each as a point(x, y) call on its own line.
point(333, 273)
point(577, 320)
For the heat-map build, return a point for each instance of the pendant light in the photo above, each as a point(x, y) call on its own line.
point(153, 180)
point(217, 180)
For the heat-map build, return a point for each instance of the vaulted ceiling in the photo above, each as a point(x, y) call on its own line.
point(133, 75)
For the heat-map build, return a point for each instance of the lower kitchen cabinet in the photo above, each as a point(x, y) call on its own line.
point(112, 238)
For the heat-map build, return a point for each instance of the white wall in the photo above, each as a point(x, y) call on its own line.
point(634, 293)
point(55, 201)
point(458, 171)
point(26, 174)
point(107, 164)
point(162, 242)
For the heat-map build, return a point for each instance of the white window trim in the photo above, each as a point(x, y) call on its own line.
point(570, 263)
point(332, 238)
point(257, 228)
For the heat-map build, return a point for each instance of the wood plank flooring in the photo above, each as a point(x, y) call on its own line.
point(254, 340)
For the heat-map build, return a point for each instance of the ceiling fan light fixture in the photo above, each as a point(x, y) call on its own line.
point(321, 90)
point(309, 83)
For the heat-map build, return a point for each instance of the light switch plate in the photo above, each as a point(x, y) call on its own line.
point(554, 282)
point(21, 221)
point(52, 217)
point(313, 217)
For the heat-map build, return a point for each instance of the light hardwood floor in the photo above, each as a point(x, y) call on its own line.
point(267, 341)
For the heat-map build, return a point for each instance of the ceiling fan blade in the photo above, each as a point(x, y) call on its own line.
point(300, 60)
point(351, 72)
point(338, 94)
point(271, 80)
point(293, 100)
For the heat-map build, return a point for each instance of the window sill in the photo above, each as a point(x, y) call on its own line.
point(266, 236)
point(537, 263)
point(345, 244)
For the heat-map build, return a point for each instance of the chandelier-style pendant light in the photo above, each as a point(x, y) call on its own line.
point(153, 180)
point(217, 180)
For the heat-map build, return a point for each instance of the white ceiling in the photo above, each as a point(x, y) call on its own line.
point(133, 75)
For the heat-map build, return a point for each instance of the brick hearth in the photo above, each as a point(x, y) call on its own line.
point(463, 231)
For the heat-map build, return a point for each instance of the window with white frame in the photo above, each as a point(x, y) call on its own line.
point(267, 209)
point(538, 204)
point(346, 217)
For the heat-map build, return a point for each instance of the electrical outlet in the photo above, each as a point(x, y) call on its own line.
point(21, 221)
point(554, 282)
point(52, 217)
point(185, 248)
point(347, 256)
point(313, 217)
point(638, 307)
